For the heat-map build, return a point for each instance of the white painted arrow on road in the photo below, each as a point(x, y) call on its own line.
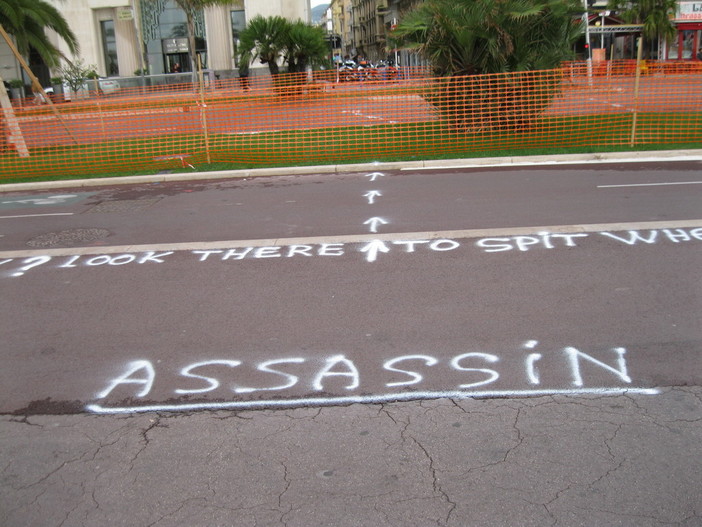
point(375, 175)
point(371, 195)
point(373, 248)
point(374, 222)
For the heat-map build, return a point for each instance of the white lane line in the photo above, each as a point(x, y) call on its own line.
point(365, 399)
point(613, 105)
point(37, 215)
point(652, 184)
point(358, 238)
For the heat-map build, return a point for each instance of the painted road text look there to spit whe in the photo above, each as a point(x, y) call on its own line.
point(371, 249)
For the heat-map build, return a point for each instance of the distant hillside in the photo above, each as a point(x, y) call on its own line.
point(318, 12)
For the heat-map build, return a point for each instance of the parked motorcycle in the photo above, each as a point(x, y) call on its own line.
point(387, 71)
point(349, 71)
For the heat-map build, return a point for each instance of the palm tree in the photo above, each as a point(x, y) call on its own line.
point(26, 20)
point(463, 39)
point(271, 38)
point(655, 15)
point(305, 45)
point(466, 37)
point(264, 38)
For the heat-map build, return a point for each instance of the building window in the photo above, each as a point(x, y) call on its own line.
point(238, 18)
point(166, 37)
point(109, 47)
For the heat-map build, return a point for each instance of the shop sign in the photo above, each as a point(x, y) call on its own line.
point(125, 13)
point(689, 11)
point(175, 45)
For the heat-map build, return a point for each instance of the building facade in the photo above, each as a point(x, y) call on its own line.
point(611, 38)
point(361, 27)
point(124, 37)
point(370, 21)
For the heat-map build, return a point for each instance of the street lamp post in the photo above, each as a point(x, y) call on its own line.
point(586, 4)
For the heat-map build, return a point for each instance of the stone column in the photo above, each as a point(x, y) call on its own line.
point(127, 47)
point(219, 38)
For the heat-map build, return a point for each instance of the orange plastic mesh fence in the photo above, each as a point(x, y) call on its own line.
point(331, 117)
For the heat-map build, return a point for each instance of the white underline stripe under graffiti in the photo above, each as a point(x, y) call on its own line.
point(356, 238)
point(37, 215)
point(366, 399)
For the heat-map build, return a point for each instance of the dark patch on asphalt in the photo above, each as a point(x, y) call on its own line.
point(49, 407)
point(122, 205)
point(68, 238)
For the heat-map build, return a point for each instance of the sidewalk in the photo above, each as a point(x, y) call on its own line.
point(612, 461)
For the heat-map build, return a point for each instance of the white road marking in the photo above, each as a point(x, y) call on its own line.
point(371, 195)
point(37, 215)
point(536, 163)
point(356, 238)
point(373, 248)
point(652, 184)
point(374, 222)
point(614, 105)
point(48, 200)
point(86, 116)
point(375, 175)
point(365, 399)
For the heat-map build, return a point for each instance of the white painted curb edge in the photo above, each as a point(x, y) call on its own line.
point(606, 157)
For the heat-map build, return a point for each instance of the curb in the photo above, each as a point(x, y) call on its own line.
point(435, 164)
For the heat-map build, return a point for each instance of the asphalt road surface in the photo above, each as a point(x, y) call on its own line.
point(456, 346)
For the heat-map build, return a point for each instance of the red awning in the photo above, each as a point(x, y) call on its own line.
point(683, 26)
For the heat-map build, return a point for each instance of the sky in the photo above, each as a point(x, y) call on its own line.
point(315, 3)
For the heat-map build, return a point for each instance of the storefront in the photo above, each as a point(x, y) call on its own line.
point(688, 43)
point(610, 38)
point(166, 37)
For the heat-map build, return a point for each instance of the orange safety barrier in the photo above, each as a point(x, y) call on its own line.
point(325, 118)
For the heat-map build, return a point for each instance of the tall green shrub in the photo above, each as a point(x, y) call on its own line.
point(465, 39)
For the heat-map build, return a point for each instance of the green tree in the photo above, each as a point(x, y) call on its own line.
point(305, 45)
point(264, 38)
point(26, 20)
point(466, 39)
point(655, 15)
point(273, 38)
point(75, 74)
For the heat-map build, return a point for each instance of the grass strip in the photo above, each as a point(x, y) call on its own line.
point(358, 144)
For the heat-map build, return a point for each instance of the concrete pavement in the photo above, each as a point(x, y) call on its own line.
point(586, 461)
